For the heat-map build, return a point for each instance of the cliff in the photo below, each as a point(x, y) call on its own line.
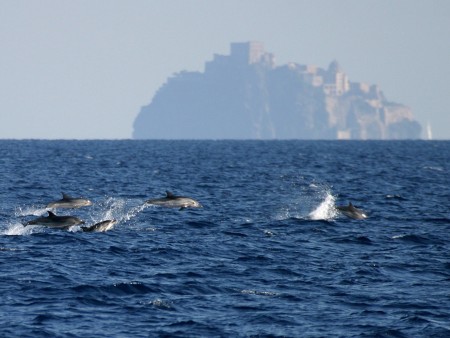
point(245, 96)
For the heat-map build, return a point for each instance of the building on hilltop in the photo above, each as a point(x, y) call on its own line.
point(241, 54)
point(244, 95)
point(247, 52)
point(308, 73)
point(335, 80)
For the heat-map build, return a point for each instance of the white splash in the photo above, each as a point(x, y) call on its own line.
point(314, 201)
point(326, 209)
point(30, 211)
point(118, 209)
point(17, 229)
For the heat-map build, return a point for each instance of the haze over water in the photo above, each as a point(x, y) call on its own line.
point(83, 70)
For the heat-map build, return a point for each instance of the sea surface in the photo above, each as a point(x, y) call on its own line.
point(268, 255)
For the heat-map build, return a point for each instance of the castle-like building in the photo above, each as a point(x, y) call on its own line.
point(255, 98)
point(334, 81)
point(243, 54)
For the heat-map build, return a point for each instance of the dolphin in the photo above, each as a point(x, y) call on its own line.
point(351, 211)
point(69, 202)
point(101, 226)
point(57, 222)
point(172, 201)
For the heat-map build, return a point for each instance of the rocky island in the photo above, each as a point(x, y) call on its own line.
point(244, 95)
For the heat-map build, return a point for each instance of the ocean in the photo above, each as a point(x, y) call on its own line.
point(268, 255)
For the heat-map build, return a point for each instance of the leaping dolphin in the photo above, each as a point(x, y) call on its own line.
point(57, 222)
point(69, 202)
point(351, 211)
point(101, 226)
point(172, 201)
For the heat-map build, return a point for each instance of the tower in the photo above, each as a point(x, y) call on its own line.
point(336, 81)
point(247, 52)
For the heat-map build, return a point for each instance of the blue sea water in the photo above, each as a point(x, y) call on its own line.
point(268, 255)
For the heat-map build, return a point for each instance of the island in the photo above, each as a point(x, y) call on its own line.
point(245, 95)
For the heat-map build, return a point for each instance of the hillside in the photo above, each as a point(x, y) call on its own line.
point(245, 96)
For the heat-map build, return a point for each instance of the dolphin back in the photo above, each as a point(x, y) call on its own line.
point(351, 211)
point(173, 201)
point(66, 197)
point(69, 202)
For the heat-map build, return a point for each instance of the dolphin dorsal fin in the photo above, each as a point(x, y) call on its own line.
point(66, 197)
point(350, 204)
point(169, 194)
point(51, 214)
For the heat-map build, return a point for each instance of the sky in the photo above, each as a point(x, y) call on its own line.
point(82, 69)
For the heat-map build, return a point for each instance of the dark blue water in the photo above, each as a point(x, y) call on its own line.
point(267, 256)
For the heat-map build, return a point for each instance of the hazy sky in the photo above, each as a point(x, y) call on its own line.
point(83, 69)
